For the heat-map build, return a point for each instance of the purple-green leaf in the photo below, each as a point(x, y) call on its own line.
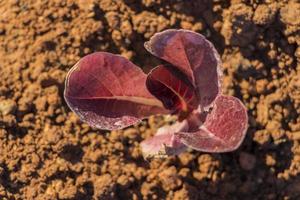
point(165, 142)
point(108, 92)
point(223, 130)
point(195, 56)
point(168, 86)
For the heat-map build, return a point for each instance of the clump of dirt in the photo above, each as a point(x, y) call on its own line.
point(47, 153)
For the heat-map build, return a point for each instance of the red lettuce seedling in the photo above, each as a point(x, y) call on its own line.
point(109, 92)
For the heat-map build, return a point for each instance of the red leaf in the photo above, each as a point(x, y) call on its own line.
point(108, 92)
point(168, 86)
point(165, 142)
point(195, 56)
point(223, 130)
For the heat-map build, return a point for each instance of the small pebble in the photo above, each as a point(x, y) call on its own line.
point(7, 107)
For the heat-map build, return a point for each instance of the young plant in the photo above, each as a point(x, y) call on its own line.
point(109, 92)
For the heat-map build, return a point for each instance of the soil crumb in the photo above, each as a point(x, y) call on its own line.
point(47, 153)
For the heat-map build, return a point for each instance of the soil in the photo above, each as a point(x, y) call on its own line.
point(47, 153)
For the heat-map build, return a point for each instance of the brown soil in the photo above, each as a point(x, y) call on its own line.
point(47, 153)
